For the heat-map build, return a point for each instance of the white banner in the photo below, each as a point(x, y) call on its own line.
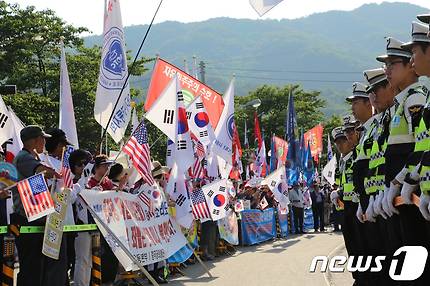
point(149, 236)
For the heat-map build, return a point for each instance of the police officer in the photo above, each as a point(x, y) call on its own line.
point(420, 48)
point(345, 194)
point(401, 142)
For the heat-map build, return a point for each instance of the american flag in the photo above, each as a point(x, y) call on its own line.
point(66, 173)
point(147, 201)
point(138, 150)
point(35, 197)
point(199, 155)
point(198, 204)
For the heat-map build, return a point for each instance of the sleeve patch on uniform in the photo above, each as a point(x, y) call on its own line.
point(414, 108)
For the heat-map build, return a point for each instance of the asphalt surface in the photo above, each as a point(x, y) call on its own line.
point(277, 262)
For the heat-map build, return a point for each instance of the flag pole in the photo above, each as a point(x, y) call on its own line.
point(129, 73)
point(120, 244)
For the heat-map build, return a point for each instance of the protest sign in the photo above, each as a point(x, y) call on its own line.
point(150, 235)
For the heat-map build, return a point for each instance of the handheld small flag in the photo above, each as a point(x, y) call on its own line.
point(35, 197)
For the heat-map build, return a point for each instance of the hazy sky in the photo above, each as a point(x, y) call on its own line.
point(89, 13)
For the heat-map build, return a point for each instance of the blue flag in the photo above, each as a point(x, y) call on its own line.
point(293, 164)
point(308, 166)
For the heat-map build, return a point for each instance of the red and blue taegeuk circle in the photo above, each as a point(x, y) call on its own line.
point(182, 121)
point(219, 200)
point(201, 119)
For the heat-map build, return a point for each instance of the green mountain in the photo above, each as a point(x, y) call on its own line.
point(325, 51)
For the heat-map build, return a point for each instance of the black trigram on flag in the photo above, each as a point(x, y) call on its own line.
point(169, 152)
point(199, 105)
point(222, 189)
point(215, 212)
point(180, 96)
point(330, 173)
point(182, 144)
point(180, 200)
point(168, 116)
point(273, 183)
point(189, 113)
point(204, 133)
point(227, 207)
point(210, 193)
point(3, 119)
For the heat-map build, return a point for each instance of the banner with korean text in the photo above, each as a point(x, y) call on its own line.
point(258, 226)
point(150, 235)
point(162, 74)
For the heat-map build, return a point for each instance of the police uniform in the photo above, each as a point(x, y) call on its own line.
point(350, 228)
point(399, 148)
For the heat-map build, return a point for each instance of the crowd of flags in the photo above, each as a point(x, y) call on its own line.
point(203, 139)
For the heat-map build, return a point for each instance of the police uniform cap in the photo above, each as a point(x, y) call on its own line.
point(420, 34)
point(394, 49)
point(337, 133)
point(358, 91)
point(374, 77)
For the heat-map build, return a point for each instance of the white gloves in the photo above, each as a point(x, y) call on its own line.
point(370, 215)
point(377, 206)
point(388, 205)
point(384, 202)
point(333, 198)
point(407, 191)
point(425, 206)
point(359, 213)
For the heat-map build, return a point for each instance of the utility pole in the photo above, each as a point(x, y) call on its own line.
point(202, 67)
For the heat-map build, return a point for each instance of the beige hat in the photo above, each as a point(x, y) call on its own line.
point(425, 18)
point(374, 77)
point(158, 169)
point(419, 35)
point(358, 91)
point(394, 49)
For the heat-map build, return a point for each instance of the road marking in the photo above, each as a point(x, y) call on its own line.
point(327, 273)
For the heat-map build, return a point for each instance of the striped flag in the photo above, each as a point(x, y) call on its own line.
point(199, 155)
point(148, 202)
point(35, 197)
point(66, 173)
point(199, 205)
point(138, 150)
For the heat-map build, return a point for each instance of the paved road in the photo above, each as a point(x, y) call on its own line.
point(281, 262)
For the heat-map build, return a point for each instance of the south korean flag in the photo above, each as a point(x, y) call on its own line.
point(198, 122)
point(217, 198)
point(277, 184)
point(183, 153)
point(163, 112)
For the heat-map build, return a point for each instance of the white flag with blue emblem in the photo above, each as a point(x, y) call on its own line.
point(223, 145)
point(263, 6)
point(112, 76)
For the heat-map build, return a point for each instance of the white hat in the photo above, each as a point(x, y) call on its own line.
point(337, 133)
point(349, 122)
point(394, 49)
point(425, 18)
point(358, 91)
point(374, 77)
point(419, 35)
